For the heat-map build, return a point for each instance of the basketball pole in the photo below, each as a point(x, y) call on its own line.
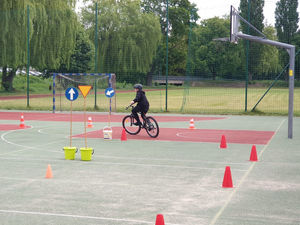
point(291, 50)
point(235, 34)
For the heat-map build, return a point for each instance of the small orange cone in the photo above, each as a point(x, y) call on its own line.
point(22, 123)
point(192, 125)
point(123, 136)
point(227, 180)
point(223, 142)
point(49, 172)
point(159, 220)
point(90, 123)
point(253, 155)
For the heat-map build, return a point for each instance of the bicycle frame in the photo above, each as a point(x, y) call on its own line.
point(148, 123)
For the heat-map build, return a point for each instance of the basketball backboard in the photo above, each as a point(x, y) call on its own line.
point(234, 24)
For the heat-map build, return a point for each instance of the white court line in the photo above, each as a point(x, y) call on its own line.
point(219, 213)
point(23, 146)
point(41, 130)
point(8, 142)
point(170, 160)
point(167, 166)
point(76, 216)
point(123, 164)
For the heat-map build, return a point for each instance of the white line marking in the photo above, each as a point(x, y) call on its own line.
point(24, 147)
point(41, 131)
point(168, 160)
point(121, 164)
point(8, 132)
point(168, 166)
point(219, 213)
point(75, 216)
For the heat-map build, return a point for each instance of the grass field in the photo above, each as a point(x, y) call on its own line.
point(198, 100)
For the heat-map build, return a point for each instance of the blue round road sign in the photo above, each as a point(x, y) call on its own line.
point(109, 92)
point(71, 94)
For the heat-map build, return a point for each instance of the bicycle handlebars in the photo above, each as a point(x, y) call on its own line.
point(131, 105)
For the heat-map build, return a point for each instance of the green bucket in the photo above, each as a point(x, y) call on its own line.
point(70, 152)
point(86, 154)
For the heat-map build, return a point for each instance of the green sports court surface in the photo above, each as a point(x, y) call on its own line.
point(179, 174)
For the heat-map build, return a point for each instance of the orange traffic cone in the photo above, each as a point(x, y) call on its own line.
point(159, 220)
point(90, 123)
point(223, 142)
point(192, 126)
point(227, 180)
point(49, 172)
point(123, 136)
point(22, 123)
point(253, 155)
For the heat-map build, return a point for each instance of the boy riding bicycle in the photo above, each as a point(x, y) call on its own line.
point(142, 103)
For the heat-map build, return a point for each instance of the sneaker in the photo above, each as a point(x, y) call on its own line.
point(137, 123)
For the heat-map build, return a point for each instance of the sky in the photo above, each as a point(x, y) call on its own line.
point(211, 8)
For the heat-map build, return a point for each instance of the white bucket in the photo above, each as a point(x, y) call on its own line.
point(107, 133)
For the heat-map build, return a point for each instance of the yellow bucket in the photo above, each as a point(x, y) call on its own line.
point(70, 152)
point(86, 154)
point(107, 133)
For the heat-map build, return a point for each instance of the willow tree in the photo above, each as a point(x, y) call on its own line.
point(52, 35)
point(127, 38)
point(12, 39)
point(54, 25)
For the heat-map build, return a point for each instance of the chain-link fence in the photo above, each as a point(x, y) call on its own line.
point(189, 70)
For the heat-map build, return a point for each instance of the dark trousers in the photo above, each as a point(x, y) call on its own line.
point(137, 109)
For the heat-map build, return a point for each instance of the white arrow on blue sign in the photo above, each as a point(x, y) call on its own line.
point(71, 94)
point(109, 92)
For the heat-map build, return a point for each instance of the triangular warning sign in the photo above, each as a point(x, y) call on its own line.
point(85, 89)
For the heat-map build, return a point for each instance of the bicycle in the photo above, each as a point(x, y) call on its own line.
point(149, 124)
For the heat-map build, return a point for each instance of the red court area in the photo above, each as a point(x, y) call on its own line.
point(166, 134)
point(195, 135)
point(79, 117)
point(11, 127)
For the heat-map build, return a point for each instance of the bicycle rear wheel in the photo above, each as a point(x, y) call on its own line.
point(152, 127)
point(128, 125)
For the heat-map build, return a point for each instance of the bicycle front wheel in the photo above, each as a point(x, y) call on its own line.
point(152, 127)
point(128, 125)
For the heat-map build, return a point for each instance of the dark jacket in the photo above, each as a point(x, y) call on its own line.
point(141, 99)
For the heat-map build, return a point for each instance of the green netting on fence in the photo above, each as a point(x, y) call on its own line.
point(128, 38)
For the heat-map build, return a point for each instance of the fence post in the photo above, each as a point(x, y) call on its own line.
point(96, 52)
point(28, 54)
point(167, 50)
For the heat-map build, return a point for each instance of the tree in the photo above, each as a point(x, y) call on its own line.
point(286, 24)
point(12, 40)
point(179, 22)
point(52, 37)
point(212, 59)
point(286, 20)
point(256, 19)
point(269, 63)
point(127, 37)
point(296, 42)
point(81, 60)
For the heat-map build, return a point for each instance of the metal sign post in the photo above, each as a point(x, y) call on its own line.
point(71, 94)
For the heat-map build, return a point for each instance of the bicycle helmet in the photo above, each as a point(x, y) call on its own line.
point(138, 86)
